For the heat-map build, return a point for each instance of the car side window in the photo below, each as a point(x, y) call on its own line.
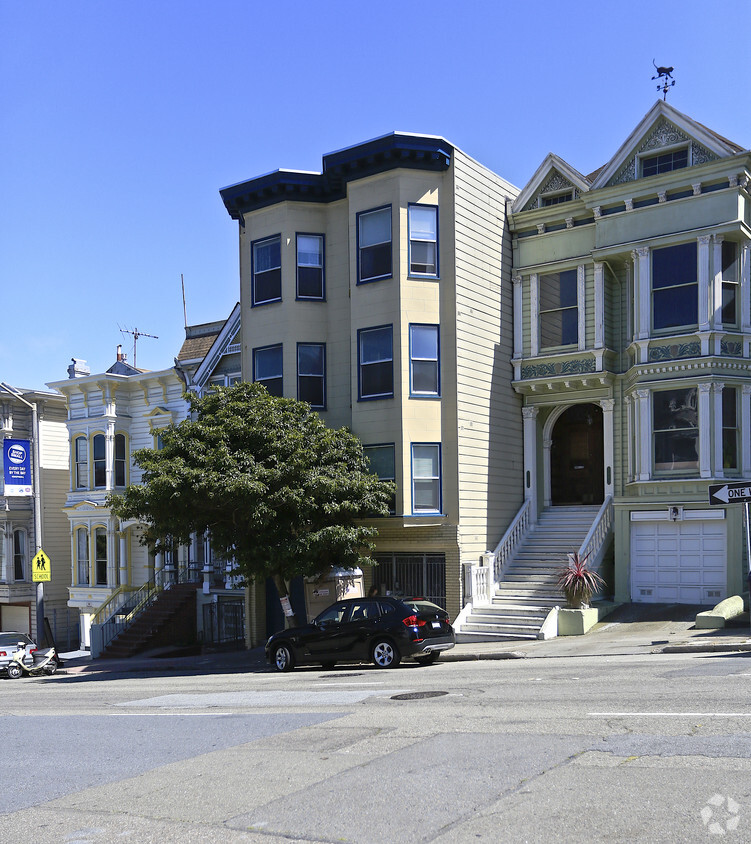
point(365, 610)
point(337, 613)
point(386, 608)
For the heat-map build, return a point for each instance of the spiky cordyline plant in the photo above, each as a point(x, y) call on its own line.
point(576, 581)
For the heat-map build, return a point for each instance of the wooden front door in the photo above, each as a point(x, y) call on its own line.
point(576, 457)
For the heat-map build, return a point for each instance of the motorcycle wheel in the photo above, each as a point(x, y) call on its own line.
point(50, 668)
point(14, 670)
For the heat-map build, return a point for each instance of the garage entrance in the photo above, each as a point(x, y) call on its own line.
point(681, 562)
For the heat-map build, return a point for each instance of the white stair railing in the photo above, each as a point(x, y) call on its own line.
point(516, 532)
point(593, 546)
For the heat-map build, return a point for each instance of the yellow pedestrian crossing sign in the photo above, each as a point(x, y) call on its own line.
point(40, 567)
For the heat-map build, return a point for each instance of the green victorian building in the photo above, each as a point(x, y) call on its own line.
point(632, 352)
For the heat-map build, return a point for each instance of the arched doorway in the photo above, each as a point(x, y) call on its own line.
point(576, 457)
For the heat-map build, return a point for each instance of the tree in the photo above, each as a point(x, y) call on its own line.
point(278, 491)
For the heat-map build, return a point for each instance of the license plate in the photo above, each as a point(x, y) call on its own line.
point(437, 625)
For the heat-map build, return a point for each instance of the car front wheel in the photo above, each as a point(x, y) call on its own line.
point(283, 659)
point(385, 654)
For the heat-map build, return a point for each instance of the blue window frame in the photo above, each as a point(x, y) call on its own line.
point(424, 361)
point(311, 374)
point(426, 478)
point(423, 240)
point(267, 368)
point(310, 267)
point(375, 353)
point(374, 259)
point(266, 270)
point(383, 463)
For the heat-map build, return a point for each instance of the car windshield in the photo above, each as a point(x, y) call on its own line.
point(419, 606)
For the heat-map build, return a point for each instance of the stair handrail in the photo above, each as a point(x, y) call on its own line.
point(516, 531)
point(137, 601)
point(601, 528)
point(112, 605)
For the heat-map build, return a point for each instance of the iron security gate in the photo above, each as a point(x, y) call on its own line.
point(412, 575)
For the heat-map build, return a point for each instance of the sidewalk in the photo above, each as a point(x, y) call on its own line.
point(629, 630)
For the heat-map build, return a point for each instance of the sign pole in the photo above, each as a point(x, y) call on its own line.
point(748, 552)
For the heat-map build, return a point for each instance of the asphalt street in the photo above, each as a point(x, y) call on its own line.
point(639, 745)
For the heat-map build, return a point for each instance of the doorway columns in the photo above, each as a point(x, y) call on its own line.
point(607, 406)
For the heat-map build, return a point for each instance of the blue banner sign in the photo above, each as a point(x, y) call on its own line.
point(17, 467)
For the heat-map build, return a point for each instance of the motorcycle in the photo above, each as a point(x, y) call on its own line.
point(38, 663)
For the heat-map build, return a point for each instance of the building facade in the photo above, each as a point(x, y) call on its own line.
point(19, 538)
point(378, 291)
point(632, 351)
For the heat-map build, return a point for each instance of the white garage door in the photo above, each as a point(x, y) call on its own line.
point(683, 562)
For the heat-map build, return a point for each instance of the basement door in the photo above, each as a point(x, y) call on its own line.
point(683, 562)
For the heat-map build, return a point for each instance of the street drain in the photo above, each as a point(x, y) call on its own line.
point(418, 695)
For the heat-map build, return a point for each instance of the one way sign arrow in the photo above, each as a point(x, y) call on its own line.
point(730, 493)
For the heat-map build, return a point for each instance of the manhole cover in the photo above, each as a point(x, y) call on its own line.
point(418, 695)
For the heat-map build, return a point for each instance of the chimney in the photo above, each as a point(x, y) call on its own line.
point(78, 369)
point(119, 352)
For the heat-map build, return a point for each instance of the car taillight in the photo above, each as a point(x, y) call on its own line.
point(2, 653)
point(32, 650)
point(414, 621)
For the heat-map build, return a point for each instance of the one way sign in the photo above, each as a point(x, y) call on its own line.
point(736, 493)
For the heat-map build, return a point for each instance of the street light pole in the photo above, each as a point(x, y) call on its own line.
point(36, 493)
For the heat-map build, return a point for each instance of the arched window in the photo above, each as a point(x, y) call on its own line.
point(81, 450)
point(100, 462)
point(82, 556)
point(19, 554)
point(100, 556)
point(120, 461)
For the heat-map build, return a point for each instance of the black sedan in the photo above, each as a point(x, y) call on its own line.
point(378, 630)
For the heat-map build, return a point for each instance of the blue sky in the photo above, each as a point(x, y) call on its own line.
point(120, 122)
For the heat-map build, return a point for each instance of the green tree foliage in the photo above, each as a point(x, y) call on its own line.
point(277, 490)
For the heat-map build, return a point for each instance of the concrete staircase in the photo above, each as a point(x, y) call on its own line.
point(528, 590)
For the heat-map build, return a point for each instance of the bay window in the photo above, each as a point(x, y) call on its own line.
point(267, 271)
point(675, 296)
point(423, 240)
point(675, 430)
point(426, 477)
point(374, 245)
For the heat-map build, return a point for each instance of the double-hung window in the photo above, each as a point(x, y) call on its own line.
point(426, 477)
point(675, 427)
point(82, 556)
point(311, 374)
point(374, 245)
point(675, 298)
point(120, 460)
point(267, 368)
point(100, 551)
point(381, 458)
point(423, 240)
point(730, 433)
point(81, 448)
point(100, 461)
point(19, 554)
point(559, 309)
point(267, 270)
point(310, 266)
point(424, 360)
point(376, 362)
point(730, 287)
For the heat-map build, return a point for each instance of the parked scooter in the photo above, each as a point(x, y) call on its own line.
point(40, 662)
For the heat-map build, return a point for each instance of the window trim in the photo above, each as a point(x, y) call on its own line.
point(735, 428)
point(543, 349)
point(96, 531)
point(641, 157)
point(417, 393)
point(322, 376)
point(254, 303)
point(392, 446)
point(80, 464)
point(24, 555)
point(410, 272)
point(298, 296)
point(378, 396)
point(115, 459)
point(733, 284)
point(685, 471)
point(390, 274)
point(556, 197)
point(82, 529)
point(256, 349)
point(98, 460)
point(439, 478)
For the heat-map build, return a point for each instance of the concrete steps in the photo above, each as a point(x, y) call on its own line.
point(529, 589)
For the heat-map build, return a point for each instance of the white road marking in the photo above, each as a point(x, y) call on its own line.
point(669, 714)
point(278, 698)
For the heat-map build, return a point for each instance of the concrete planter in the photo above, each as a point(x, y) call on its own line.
point(576, 622)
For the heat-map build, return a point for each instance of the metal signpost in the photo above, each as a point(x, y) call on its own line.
point(736, 493)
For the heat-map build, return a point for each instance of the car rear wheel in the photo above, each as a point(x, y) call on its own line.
point(428, 659)
point(14, 670)
point(385, 654)
point(283, 659)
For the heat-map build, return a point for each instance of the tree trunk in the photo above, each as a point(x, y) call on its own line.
point(282, 587)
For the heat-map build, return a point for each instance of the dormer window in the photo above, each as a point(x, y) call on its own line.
point(664, 162)
point(548, 199)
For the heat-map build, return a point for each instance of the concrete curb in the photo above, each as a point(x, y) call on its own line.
point(705, 648)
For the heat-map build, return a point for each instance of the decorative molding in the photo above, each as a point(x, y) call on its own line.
point(629, 204)
point(733, 181)
point(662, 196)
point(674, 351)
point(541, 228)
point(577, 366)
point(530, 412)
point(696, 187)
point(731, 348)
point(597, 211)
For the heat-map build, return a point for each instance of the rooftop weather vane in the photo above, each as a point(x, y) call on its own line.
point(664, 73)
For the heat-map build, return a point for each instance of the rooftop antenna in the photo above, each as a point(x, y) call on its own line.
point(185, 309)
point(664, 74)
point(136, 334)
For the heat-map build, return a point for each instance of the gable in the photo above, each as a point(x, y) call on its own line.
point(551, 181)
